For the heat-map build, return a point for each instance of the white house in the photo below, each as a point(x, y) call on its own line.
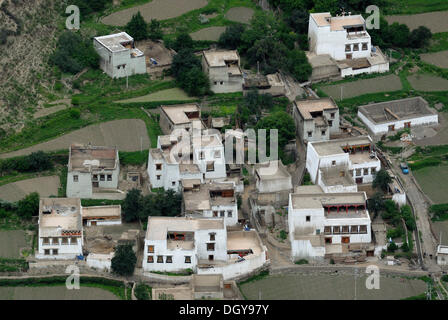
point(346, 40)
point(223, 70)
point(316, 119)
point(394, 115)
point(118, 55)
point(326, 224)
point(90, 169)
point(356, 153)
point(272, 177)
point(180, 116)
point(201, 244)
point(199, 157)
point(442, 255)
point(60, 228)
point(101, 215)
point(212, 200)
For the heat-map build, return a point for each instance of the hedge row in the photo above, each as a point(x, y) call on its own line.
point(429, 162)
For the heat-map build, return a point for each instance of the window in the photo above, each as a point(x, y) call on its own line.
point(173, 183)
point(363, 229)
point(46, 240)
point(317, 231)
point(229, 213)
point(221, 82)
point(328, 240)
point(55, 241)
point(55, 252)
point(150, 249)
point(102, 177)
point(187, 259)
point(333, 163)
point(47, 252)
point(373, 170)
point(327, 230)
point(211, 257)
point(210, 166)
point(169, 259)
point(391, 127)
point(109, 177)
point(217, 154)
point(330, 123)
point(308, 218)
point(95, 177)
point(215, 213)
point(310, 134)
point(354, 229)
point(64, 241)
point(159, 259)
point(158, 177)
point(364, 46)
point(366, 171)
point(212, 236)
point(150, 259)
point(323, 132)
point(348, 48)
point(73, 241)
point(221, 213)
point(210, 246)
point(332, 115)
point(75, 178)
point(215, 83)
point(158, 166)
point(358, 172)
point(201, 155)
point(336, 230)
point(344, 229)
point(356, 47)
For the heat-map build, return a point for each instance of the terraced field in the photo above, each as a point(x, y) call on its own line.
point(330, 287)
point(45, 186)
point(435, 21)
point(11, 242)
point(156, 9)
point(163, 95)
point(439, 59)
point(125, 134)
point(209, 34)
point(240, 14)
point(357, 88)
point(433, 182)
point(55, 293)
point(426, 82)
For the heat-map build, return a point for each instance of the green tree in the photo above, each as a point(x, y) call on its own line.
point(376, 203)
point(141, 292)
point(231, 38)
point(137, 27)
point(298, 65)
point(28, 206)
point(382, 180)
point(281, 121)
point(155, 30)
point(398, 35)
point(124, 260)
point(39, 161)
point(132, 205)
point(420, 37)
point(183, 41)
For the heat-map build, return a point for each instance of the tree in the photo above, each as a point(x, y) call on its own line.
point(298, 65)
point(141, 293)
point(183, 41)
point(124, 260)
point(39, 161)
point(74, 53)
point(87, 7)
point(137, 27)
point(231, 38)
point(28, 206)
point(281, 121)
point(155, 30)
point(398, 35)
point(132, 205)
point(382, 180)
point(420, 37)
point(376, 203)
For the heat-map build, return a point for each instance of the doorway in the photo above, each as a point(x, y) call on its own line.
point(345, 240)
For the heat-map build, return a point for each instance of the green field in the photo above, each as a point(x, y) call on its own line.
point(55, 293)
point(415, 6)
point(329, 287)
point(433, 182)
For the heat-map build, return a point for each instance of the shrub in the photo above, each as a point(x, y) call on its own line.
point(75, 113)
point(28, 206)
point(394, 233)
point(392, 247)
point(141, 292)
point(283, 235)
point(124, 260)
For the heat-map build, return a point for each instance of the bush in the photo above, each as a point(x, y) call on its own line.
point(429, 162)
point(142, 292)
point(283, 235)
point(137, 27)
point(28, 206)
point(75, 113)
point(394, 233)
point(392, 247)
point(124, 260)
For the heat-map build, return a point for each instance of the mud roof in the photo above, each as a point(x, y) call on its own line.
point(84, 157)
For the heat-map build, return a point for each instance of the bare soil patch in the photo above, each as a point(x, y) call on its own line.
point(11, 242)
point(240, 14)
point(439, 59)
point(45, 186)
point(435, 21)
point(426, 82)
point(209, 34)
point(156, 9)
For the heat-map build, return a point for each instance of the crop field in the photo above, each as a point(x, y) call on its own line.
point(435, 21)
point(240, 14)
point(441, 227)
point(352, 89)
point(156, 9)
point(125, 134)
point(330, 287)
point(427, 82)
point(163, 95)
point(439, 59)
point(45, 186)
point(11, 241)
point(55, 293)
point(416, 6)
point(433, 182)
point(209, 34)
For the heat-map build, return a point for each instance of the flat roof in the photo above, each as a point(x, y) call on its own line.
point(177, 113)
point(337, 23)
point(218, 58)
point(158, 227)
point(113, 211)
point(244, 240)
point(200, 199)
point(114, 41)
point(305, 107)
point(58, 214)
point(326, 148)
point(278, 170)
point(309, 189)
point(211, 140)
point(333, 176)
point(404, 109)
point(84, 157)
point(316, 201)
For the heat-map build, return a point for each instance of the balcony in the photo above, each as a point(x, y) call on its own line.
point(357, 35)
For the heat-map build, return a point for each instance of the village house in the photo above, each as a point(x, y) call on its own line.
point(101, 215)
point(211, 200)
point(118, 55)
point(223, 69)
point(200, 157)
point(180, 116)
point(91, 169)
point(264, 84)
point(60, 229)
point(345, 40)
point(272, 177)
point(316, 119)
point(394, 115)
point(323, 225)
point(442, 255)
point(357, 154)
point(202, 245)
